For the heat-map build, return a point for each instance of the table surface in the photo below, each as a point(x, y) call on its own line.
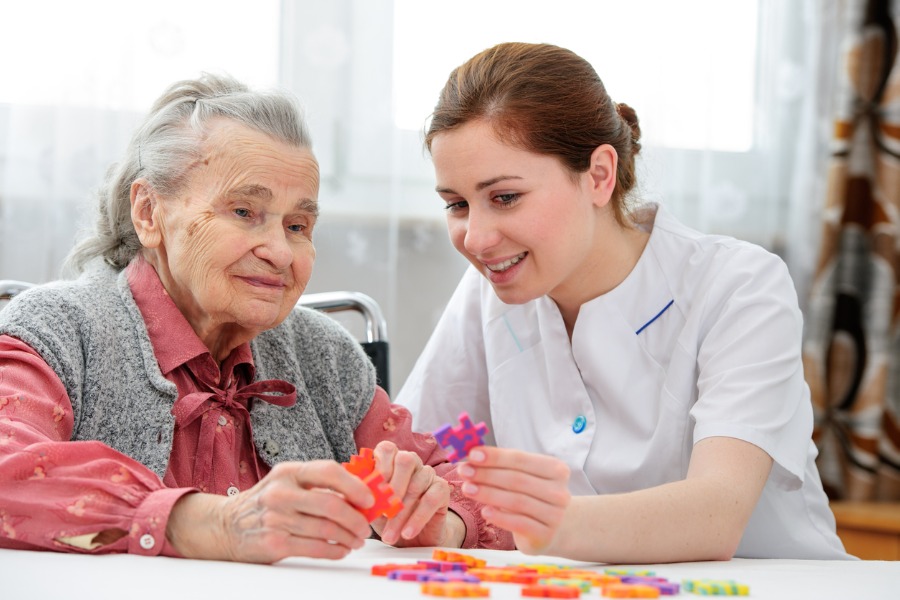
point(37, 575)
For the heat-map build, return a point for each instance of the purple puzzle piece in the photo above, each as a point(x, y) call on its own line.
point(462, 438)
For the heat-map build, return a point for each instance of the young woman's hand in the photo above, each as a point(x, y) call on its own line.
point(524, 493)
point(298, 509)
point(424, 519)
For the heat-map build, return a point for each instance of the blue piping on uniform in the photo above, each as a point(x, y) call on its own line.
point(647, 324)
point(512, 333)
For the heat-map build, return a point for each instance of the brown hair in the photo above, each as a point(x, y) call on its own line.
point(544, 99)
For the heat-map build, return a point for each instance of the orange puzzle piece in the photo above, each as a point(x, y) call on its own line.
point(455, 590)
point(386, 503)
point(363, 466)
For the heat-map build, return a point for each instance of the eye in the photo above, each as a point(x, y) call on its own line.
point(297, 227)
point(243, 213)
point(453, 207)
point(507, 199)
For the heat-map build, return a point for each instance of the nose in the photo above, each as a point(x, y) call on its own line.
point(274, 247)
point(481, 232)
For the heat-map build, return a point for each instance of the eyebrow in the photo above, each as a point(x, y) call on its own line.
point(480, 185)
point(261, 192)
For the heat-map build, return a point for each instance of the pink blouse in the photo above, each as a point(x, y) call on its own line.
point(57, 494)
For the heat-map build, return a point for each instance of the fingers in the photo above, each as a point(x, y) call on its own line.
point(427, 496)
point(326, 474)
point(539, 465)
point(524, 493)
point(298, 509)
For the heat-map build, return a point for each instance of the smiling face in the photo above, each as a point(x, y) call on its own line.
point(523, 220)
point(234, 248)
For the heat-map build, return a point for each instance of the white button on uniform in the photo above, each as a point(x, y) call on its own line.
point(233, 491)
point(147, 541)
point(222, 420)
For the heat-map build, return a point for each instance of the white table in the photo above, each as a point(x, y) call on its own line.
point(39, 575)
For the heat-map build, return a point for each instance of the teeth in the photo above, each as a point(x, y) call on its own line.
point(506, 263)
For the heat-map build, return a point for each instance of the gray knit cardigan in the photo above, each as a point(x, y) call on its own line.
point(93, 336)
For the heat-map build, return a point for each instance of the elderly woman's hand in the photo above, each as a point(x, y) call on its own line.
point(425, 519)
point(298, 509)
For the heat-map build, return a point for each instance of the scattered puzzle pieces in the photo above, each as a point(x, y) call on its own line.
point(452, 574)
point(462, 438)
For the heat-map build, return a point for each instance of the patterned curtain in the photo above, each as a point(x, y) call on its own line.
point(852, 345)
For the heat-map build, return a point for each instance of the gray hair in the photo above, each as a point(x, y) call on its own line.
point(167, 143)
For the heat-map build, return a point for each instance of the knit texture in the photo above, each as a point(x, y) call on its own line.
point(92, 334)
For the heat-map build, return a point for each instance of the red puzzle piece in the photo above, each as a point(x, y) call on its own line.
point(551, 591)
point(386, 503)
point(363, 466)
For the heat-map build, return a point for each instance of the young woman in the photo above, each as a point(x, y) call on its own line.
point(642, 381)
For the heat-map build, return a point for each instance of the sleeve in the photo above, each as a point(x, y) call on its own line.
point(63, 495)
point(386, 421)
point(750, 382)
point(450, 375)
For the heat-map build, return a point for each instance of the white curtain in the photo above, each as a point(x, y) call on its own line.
point(382, 229)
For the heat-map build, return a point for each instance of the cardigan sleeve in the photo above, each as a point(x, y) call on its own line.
point(386, 421)
point(57, 494)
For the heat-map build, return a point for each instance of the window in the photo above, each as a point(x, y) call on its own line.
point(121, 55)
point(671, 74)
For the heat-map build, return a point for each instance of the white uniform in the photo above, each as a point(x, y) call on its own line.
point(702, 339)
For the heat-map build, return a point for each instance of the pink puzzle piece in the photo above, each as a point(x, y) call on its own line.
point(462, 438)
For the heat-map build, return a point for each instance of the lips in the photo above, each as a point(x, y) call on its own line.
point(502, 266)
point(263, 281)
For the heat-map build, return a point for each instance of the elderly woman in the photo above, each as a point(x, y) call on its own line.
point(171, 399)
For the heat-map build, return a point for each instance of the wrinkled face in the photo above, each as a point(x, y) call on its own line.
point(519, 217)
point(234, 249)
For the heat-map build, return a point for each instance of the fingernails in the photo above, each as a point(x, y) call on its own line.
point(476, 456)
point(469, 488)
point(466, 470)
point(409, 533)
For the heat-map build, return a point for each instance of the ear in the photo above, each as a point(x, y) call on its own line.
point(145, 214)
point(601, 174)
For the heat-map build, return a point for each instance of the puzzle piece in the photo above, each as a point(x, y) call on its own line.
point(386, 503)
point(581, 584)
point(551, 591)
point(462, 438)
point(470, 561)
point(495, 574)
point(455, 590)
point(665, 587)
point(712, 587)
point(361, 464)
point(385, 568)
point(444, 565)
point(630, 590)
